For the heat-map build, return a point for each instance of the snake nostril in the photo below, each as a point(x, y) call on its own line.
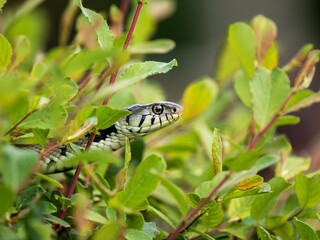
point(174, 110)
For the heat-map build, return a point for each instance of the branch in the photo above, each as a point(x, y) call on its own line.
point(251, 232)
point(273, 120)
point(18, 123)
point(193, 212)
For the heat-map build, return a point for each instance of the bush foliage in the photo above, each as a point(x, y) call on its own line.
point(199, 179)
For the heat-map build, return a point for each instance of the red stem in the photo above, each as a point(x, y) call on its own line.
point(275, 118)
point(105, 102)
point(251, 232)
point(193, 212)
point(18, 123)
point(126, 44)
point(76, 176)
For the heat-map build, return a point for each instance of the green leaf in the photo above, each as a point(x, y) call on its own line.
point(227, 63)
point(280, 226)
point(277, 144)
point(6, 232)
point(243, 160)
point(151, 229)
point(155, 46)
point(304, 103)
point(286, 120)
point(269, 91)
point(239, 208)
point(205, 188)
point(50, 180)
point(39, 70)
point(133, 234)
point(236, 193)
point(17, 165)
point(193, 200)
point(292, 206)
point(111, 231)
point(88, 124)
point(46, 207)
point(108, 116)
point(240, 230)
point(2, 3)
point(143, 182)
point(265, 31)
point(134, 74)
point(64, 88)
point(213, 217)
point(161, 215)
point(84, 59)
point(135, 221)
point(298, 96)
point(243, 41)
point(177, 193)
point(271, 59)
point(28, 195)
point(266, 161)
point(7, 199)
point(101, 28)
point(241, 86)
point(292, 166)
point(89, 157)
point(21, 50)
point(198, 96)
point(95, 217)
point(50, 117)
point(262, 204)
point(5, 53)
point(306, 232)
point(127, 160)
point(217, 151)
point(308, 190)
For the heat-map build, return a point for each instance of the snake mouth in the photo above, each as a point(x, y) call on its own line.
point(181, 112)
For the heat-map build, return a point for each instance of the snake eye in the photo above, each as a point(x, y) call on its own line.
point(157, 109)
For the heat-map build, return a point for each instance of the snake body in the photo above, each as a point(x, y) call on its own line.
point(143, 120)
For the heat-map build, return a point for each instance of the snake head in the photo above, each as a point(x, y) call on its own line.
point(148, 118)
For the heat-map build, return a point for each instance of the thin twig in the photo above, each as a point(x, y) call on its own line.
point(126, 44)
point(273, 120)
point(296, 214)
point(251, 232)
point(18, 123)
point(193, 212)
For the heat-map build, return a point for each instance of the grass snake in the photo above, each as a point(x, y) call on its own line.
point(143, 120)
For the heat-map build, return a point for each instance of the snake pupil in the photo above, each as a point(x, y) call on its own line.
point(158, 109)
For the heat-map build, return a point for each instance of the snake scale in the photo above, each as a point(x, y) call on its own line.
point(143, 120)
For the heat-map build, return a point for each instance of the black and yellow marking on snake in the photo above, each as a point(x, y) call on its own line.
point(152, 119)
point(143, 117)
point(141, 122)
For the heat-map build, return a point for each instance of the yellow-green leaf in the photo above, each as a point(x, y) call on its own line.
point(243, 41)
point(216, 151)
point(198, 96)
